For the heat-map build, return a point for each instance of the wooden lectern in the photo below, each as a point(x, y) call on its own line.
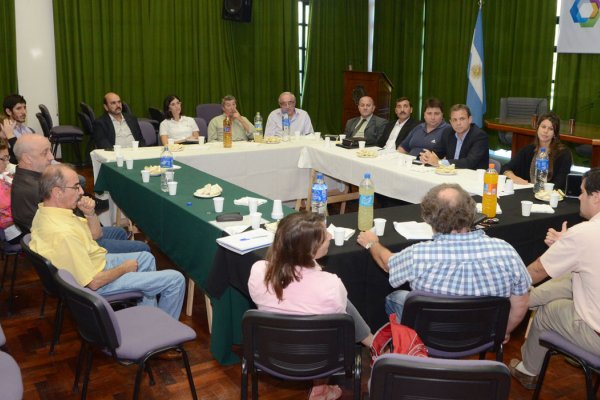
point(358, 84)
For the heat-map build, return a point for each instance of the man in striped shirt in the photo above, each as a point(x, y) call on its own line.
point(457, 261)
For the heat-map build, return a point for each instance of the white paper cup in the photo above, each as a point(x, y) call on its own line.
point(342, 137)
point(129, 163)
point(554, 200)
point(379, 226)
point(145, 176)
point(120, 160)
point(327, 141)
point(135, 144)
point(318, 135)
point(255, 219)
point(548, 187)
point(218, 202)
point(252, 205)
point(201, 139)
point(172, 188)
point(509, 187)
point(339, 236)
point(277, 212)
point(170, 141)
point(501, 183)
point(361, 144)
point(526, 208)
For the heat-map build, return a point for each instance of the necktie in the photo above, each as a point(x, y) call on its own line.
point(360, 124)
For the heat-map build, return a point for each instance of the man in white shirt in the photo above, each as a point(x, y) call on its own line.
point(395, 131)
point(368, 125)
point(299, 119)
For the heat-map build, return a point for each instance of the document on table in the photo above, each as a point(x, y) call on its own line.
point(246, 242)
point(414, 230)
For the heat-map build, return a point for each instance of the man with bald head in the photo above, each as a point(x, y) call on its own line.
point(299, 119)
point(457, 261)
point(116, 127)
point(34, 156)
point(368, 125)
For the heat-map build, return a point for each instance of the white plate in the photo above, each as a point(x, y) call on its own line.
point(545, 196)
point(206, 196)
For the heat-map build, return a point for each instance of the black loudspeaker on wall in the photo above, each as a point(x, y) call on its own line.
point(237, 10)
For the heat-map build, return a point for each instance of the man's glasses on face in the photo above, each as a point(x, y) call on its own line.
point(287, 103)
point(76, 186)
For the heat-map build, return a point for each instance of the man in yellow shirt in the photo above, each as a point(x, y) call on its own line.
point(66, 240)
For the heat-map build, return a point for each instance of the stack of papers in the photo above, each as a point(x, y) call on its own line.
point(414, 230)
point(246, 242)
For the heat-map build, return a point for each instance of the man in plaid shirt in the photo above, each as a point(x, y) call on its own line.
point(457, 261)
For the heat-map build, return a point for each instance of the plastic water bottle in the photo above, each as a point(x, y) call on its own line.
point(285, 122)
point(365, 203)
point(166, 169)
point(541, 170)
point(318, 201)
point(258, 126)
point(490, 192)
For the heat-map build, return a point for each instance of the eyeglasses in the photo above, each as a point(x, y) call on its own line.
point(76, 186)
point(5, 158)
point(287, 103)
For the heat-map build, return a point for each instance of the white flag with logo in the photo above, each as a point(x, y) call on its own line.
point(579, 26)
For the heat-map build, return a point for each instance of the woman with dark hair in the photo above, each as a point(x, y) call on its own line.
point(12, 233)
point(176, 125)
point(521, 168)
point(290, 281)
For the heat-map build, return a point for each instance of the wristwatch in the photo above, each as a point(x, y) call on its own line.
point(370, 244)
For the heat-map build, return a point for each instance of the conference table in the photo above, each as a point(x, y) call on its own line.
point(524, 133)
point(183, 231)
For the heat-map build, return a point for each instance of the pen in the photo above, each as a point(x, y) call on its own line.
point(251, 238)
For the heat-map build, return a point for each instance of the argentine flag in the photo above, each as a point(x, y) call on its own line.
point(476, 85)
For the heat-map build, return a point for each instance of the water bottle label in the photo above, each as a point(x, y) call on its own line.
point(319, 195)
point(226, 129)
point(286, 123)
point(490, 188)
point(166, 162)
point(258, 126)
point(541, 164)
point(366, 200)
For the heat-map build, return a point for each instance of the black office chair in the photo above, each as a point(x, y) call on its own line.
point(8, 250)
point(46, 272)
point(399, 376)
point(298, 347)
point(88, 129)
point(133, 334)
point(156, 114)
point(60, 134)
point(590, 363)
point(127, 110)
point(87, 110)
point(458, 326)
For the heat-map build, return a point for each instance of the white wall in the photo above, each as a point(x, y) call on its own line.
point(36, 61)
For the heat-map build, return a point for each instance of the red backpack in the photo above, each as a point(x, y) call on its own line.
point(404, 340)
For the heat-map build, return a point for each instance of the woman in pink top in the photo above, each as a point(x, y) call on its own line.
point(290, 281)
point(12, 233)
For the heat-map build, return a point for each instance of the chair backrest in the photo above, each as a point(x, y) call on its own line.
point(156, 114)
point(298, 347)
point(457, 326)
point(11, 381)
point(522, 108)
point(46, 115)
point(96, 321)
point(202, 127)
point(44, 268)
point(87, 110)
point(399, 376)
point(88, 128)
point(44, 124)
point(125, 108)
point(148, 132)
point(208, 111)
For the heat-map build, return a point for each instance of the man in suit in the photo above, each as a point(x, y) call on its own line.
point(395, 131)
point(462, 144)
point(115, 127)
point(367, 126)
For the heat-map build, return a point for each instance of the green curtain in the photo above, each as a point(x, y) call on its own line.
point(577, 89)
point(519, 44)
point(337, 37)
point(397, 45)
point(8, 49)
point(147, 49)
point(448, 35)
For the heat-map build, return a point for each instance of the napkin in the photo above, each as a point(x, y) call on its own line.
point(498, 209)
point(348, 234)
point(243, 201)
point(235, 229)
point(414, 230)
point(542, 208)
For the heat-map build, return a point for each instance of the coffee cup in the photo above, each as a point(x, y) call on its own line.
point(172, 188)
point(218, 202)
point(339, 236)
point(120, 160)
point(526, 208)
point(379, 226)
point(145, 176)
point(129, 163)
point(255, 219)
